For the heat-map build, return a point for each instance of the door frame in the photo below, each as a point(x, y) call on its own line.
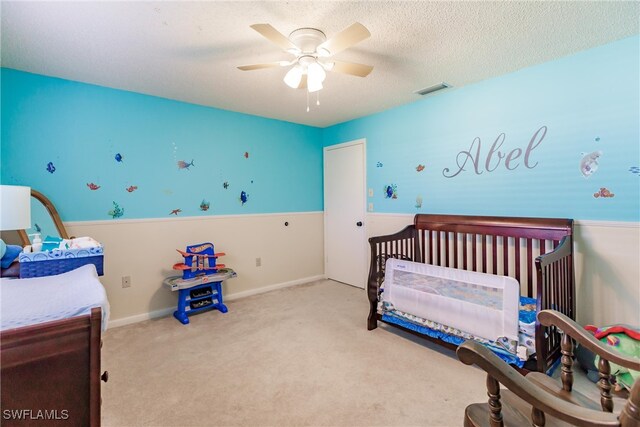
point(363, 142)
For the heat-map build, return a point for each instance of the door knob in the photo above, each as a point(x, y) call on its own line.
point(105, 376)
point(359, 223)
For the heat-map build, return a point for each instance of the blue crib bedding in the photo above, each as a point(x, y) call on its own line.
point(526, 323)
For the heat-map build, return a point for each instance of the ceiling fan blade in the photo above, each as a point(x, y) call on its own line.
point(344, 39)
point(274, 36)
point(351, 68)
point(260, 66)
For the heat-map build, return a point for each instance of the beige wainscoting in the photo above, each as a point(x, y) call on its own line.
point(145, 250)
point(608, 272)
point(607, 266)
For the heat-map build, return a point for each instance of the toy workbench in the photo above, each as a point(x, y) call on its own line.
point(200, 287)
point(199, 293)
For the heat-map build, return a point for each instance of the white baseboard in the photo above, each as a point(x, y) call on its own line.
point(141, 317)
point(169, 310)
point(270, 288)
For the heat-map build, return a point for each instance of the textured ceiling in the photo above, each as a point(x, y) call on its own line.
point(189, 51)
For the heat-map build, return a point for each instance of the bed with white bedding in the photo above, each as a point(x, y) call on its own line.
point(50, 344)
point(455, 305)
point(43, 299)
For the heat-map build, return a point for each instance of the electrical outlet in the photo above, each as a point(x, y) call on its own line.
point(258, 262)
point(371, 192)
point(126, 281)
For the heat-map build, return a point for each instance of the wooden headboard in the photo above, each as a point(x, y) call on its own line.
point(477, 243)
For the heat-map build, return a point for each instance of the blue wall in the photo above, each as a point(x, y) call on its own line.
point(580, 114)
point(587, 103)
point(80, 128)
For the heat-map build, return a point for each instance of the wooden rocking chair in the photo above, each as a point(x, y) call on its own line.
point(539, 400)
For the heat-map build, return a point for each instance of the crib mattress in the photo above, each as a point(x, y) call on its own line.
point(43, 299)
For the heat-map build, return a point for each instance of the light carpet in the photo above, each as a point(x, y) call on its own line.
point(300, 356)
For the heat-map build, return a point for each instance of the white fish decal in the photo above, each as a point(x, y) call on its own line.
point(589, 163)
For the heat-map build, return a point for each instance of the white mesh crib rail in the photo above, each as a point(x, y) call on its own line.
point(481, 304)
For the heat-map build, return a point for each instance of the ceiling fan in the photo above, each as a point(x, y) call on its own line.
point(312, 51)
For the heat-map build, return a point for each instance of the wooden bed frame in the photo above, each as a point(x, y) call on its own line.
point(538, 253)
point(52, 369)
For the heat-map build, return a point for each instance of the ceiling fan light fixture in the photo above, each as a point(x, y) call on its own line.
point(316, 72)
point(293, 77)
point(313, 51)
point(314, 85)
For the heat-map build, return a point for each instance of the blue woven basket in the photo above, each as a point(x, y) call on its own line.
point(59, 266)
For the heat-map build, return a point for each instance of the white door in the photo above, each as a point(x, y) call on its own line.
point(344, 210)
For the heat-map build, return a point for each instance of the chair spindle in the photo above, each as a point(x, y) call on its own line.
point(493, 391)
point(537, 417)
point(566, 348)
point(604, 371)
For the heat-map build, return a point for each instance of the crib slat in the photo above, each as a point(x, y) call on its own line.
point(505, 255)
point(494, 254)
point(556, 286)
point(455, 250)
point(474, 253)
point(529, 269)
point(464, 251)
point(516, 244)
point(484, 253)
point(565, 286)
point(446, 248)
point(380, 262)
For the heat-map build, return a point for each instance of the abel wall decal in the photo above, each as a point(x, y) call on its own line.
point(490, 160)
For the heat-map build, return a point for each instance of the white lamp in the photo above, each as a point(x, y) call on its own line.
point(315, 77)
point(15, 207)
point(293, 77)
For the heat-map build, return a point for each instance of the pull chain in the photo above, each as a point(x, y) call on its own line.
point(318, 98)
point(307, 101)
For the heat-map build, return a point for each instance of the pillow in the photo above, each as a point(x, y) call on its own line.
point(10, 255)
point(12, 271)
point(3, 248)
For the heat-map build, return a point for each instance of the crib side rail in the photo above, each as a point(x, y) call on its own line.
point(555, 291)
point(401, 245)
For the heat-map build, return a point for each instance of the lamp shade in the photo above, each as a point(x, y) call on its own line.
point(314, 85)
point(293, 77)
point(316, 72)
point(315, 77)
point(15, 207)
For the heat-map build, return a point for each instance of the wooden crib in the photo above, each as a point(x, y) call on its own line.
point(538, 252)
